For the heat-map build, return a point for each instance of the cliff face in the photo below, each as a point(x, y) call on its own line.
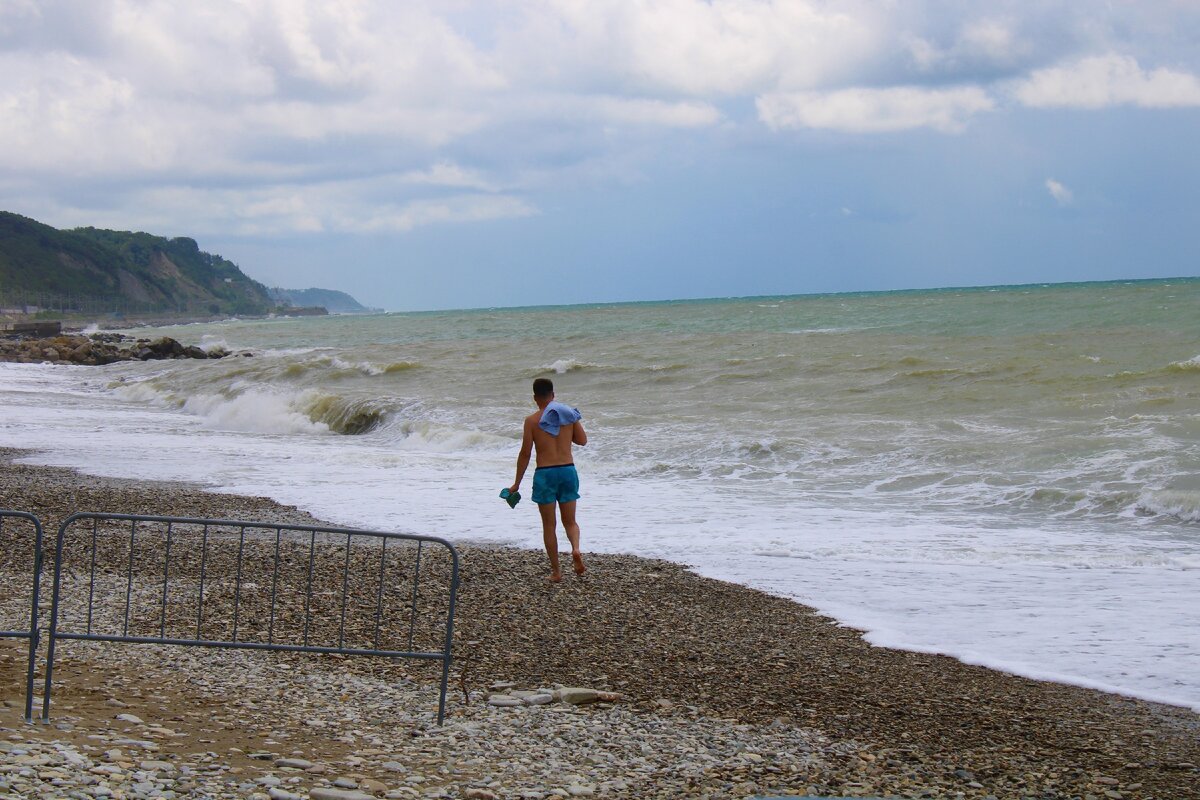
point(89, 269)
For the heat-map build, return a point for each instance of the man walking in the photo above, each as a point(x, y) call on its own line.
point(551, 430)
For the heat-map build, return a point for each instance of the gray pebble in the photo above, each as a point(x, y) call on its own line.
point(321, 793)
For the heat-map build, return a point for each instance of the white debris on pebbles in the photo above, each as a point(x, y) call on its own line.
point(379, 739)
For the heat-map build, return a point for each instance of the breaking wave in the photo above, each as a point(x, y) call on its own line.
point(565, 365)
point(1191, 365)
point(255, 411)
point(268, 410)
point(347, 417)
point(1173, 503)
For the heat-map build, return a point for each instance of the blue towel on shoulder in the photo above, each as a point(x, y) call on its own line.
point(556, 415)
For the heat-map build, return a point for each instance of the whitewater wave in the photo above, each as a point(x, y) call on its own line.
point(369, 368)
point(344, 416)
point(565, 365)
point(327, 367)
point(144, 391)
point(432, 437)
point(254, 411)
point(1182, 505)
point(210, 343)
point(1190, 365)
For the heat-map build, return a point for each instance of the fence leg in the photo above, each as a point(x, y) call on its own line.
point(58, 551)
point(34, 634)
point(448, 652)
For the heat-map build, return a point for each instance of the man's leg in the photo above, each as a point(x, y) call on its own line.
point(572, 528)
point(550, 538)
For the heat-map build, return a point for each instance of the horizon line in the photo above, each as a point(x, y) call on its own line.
point(850, 293)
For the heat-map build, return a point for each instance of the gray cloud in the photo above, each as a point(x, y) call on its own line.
point(291, 114)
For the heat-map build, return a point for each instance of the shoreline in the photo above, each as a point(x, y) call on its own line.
point(690, 650)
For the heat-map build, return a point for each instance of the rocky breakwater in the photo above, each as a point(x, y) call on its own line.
point(98, 348)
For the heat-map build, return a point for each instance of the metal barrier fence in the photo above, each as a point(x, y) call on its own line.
point(9, 555)
point(255, 586)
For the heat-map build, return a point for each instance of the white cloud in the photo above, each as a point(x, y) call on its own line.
point(1108, 80)
point(213, 88)
point(693, 47)
point(988, 37)
point(875, 110)
point(1062, 195)
point(377, 204)
point(447, 173)
point(418, 213)
point(986, 43)
point(131, 97)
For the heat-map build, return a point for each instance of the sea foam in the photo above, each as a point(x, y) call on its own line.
point(256, 411)
point(1025, 508)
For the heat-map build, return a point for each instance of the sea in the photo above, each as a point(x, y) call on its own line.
point(1007, 475)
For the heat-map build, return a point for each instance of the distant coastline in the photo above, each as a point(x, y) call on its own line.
point(46, 273)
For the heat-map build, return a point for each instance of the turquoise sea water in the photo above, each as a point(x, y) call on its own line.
point(1005, 474)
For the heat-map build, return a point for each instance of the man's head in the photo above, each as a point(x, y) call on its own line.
point(543, 391)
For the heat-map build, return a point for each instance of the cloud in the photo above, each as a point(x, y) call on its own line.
point(1062, 195)
point(395, 203)
point(1108, 80)
point(990, 37)
point(875, 110)
point(978, 45)
point(419, 213)
point(154, 87)
point(691, 47)
point(447, 173)
point(268, 107)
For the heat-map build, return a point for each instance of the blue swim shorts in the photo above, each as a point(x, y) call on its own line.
point(557, 484)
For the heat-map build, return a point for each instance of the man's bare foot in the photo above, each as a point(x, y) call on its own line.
point(577, 558)
point(555, 577)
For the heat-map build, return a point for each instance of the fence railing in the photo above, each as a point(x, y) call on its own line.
point(243, 585)
point(12, 544)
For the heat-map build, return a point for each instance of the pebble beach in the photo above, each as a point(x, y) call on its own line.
point(705, 689)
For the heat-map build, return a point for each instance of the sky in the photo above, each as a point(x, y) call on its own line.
point(456, 154)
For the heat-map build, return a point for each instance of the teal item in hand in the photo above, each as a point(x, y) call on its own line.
point(512, 498)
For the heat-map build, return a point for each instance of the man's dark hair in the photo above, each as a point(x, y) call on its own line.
point(543, 387)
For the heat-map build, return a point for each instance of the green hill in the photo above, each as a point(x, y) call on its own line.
point(330, 299)
point(93, 270)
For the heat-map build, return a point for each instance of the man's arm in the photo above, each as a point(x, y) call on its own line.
point(523, 456)
point(579, 435)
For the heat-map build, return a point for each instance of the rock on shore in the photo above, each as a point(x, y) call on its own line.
point(98, 348)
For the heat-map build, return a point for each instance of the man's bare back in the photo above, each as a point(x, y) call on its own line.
point(552, 450)
point(556, 484)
